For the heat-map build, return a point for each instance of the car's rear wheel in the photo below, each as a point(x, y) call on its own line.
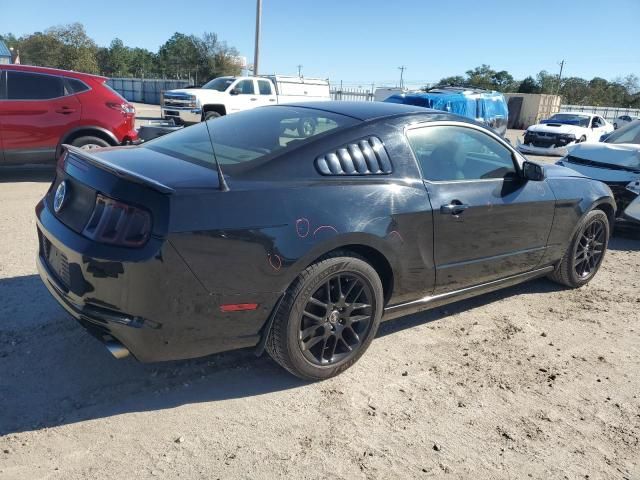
point(586, 251)
point(328, 318)
point(90, 143)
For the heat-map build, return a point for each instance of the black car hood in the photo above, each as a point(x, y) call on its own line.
point(165, 169)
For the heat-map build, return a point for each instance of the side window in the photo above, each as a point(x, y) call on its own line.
point(597, 122)
point(75, 86)
point(264, 87)
point(245, 87)
point(447, 153)
point(32, 86)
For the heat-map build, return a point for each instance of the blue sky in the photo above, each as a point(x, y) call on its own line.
point(365, 41)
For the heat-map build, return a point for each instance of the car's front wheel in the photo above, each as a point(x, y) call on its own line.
point(328, 318)
point(586, 251)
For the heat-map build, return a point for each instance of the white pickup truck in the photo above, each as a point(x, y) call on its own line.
point(225, 95)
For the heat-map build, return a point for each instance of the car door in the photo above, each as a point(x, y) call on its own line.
point(489, 223)
point(598, 128)
point(266, 93)
point(35, 114)
point(243, 95)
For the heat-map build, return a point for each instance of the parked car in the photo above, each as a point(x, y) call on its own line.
point(616, 162)
point(43, 108)
point(553, 135)
point(240, 232)
point(224, 95)
point(484, 106)
point(622, 120)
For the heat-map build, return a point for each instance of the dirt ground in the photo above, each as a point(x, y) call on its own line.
point(535, 381)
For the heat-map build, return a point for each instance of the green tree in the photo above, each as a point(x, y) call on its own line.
point(529, 85)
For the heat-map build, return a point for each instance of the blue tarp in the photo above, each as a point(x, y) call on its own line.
point(489, 108)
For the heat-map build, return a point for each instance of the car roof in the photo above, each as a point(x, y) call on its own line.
point(364, 110)
point(51, 71)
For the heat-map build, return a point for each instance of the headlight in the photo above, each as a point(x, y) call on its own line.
point(192, 100)
point(634, 187)
point(568, 136)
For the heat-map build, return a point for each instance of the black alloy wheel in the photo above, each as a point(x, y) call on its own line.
point(590, 249)
point(328, 317)
point(338, 315)
point(585, 253)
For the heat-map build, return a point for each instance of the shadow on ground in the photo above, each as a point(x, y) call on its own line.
point(53, 373)
point(39, 173)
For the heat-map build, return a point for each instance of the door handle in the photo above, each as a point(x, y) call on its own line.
point(65, 110)
point(272, 99)
point(253, 99)
point(454, 208)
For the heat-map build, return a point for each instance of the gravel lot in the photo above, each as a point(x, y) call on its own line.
point(531, 382)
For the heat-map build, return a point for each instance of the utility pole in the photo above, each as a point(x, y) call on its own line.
point(256, 54)
point(402, 69)
point(560, 76)
point(300, 70)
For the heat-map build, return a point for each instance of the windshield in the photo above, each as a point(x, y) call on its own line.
point(628, 134)
point(220, 84)
point(569, 119)
point(248, 138)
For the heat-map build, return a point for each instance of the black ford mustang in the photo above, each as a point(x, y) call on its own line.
point(249, 231)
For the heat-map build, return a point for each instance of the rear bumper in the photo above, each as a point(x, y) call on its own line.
point(155, 307)
point(182, 114)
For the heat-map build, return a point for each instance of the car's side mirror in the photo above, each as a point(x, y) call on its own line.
point(234, 91)
point(532, 171)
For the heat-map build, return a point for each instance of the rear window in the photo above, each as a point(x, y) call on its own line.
point(33, 86)
point(76, 86)
point(250, 136)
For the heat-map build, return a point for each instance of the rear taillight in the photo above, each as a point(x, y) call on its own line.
point(124, 108)
point(117, 223)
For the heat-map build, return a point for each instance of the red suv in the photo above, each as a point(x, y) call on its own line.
point(42, 108)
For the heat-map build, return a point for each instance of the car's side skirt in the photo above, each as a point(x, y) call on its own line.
point(432, 301)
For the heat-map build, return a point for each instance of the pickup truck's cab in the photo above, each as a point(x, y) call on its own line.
point(225, 95)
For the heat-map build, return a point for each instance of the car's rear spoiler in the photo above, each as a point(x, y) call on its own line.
point(118, 170)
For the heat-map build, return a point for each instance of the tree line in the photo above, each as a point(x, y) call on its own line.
point(198, 58)
point(620, 92)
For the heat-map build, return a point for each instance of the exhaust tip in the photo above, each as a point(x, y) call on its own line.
point(116, 349)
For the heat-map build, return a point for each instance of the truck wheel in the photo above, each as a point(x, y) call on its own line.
point(586, 251)
point(328, 318)
point(89, 143)
point(209, 115)
point(306, 127)
point(583, 138)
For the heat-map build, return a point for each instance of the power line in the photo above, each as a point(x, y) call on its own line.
point(256, 54)
point(300, 70)
point(402, 69)
point(560, 76)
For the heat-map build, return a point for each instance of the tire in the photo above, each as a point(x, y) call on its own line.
point(210, 115)
point(335, 340)
point(615, 126)
point(306, 127)
point(569, 270)
point(89, 143)
point(583, 138)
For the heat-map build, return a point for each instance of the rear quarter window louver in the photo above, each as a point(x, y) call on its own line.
point(364, 157)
